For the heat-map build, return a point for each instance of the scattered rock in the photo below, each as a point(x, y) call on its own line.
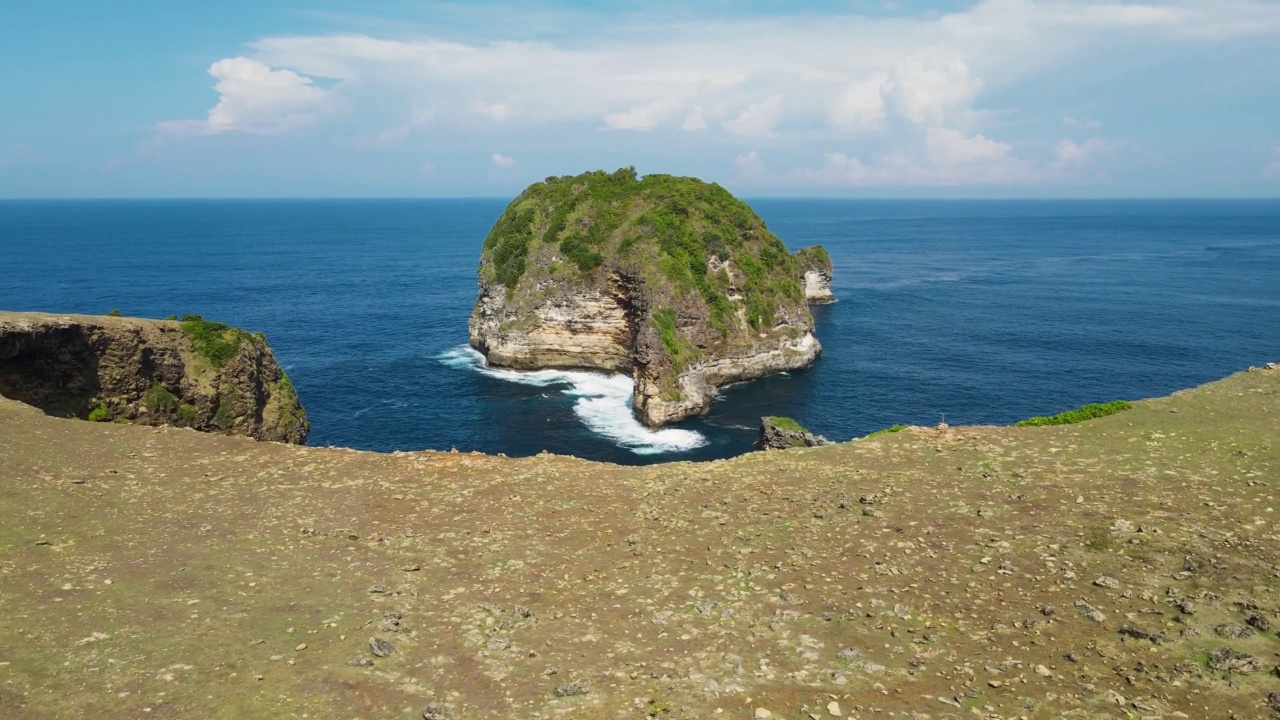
point(1186, 606)
point(380, 647)
point(437, 712)
point(1226, 660)
point(378, 589)
point(1233, 631)
point(762, 714)
point(1043, 671)
point(570, 690)
point(1258, 622)
point(1090, 611)
point(362, 662)
point(1140, 634)
point(1107, 582)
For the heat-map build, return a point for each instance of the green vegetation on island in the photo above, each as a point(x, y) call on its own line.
point(658, 225)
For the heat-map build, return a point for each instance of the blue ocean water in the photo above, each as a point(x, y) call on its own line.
point(972, 312)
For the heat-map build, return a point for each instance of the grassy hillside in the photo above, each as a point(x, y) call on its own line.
point(1125, 566)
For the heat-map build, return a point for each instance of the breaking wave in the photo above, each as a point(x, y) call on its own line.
point(603, 403)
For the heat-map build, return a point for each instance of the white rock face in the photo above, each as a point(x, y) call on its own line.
point(817, 287)
point(699, 384)
point(577, 331)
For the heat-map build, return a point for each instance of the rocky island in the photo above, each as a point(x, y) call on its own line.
point(670, 279)
point(192, 373)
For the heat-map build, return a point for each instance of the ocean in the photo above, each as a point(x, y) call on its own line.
point(950, 311)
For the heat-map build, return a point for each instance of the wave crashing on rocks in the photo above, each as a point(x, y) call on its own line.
point(603, 403)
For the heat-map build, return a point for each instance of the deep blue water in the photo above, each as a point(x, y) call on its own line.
point(976, 312)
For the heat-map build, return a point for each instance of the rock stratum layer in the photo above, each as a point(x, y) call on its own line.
point(670, 279)
point(197, 374)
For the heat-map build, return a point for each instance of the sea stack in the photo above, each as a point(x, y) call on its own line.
point(670, 279)
point(814, 265)
point(190, 373)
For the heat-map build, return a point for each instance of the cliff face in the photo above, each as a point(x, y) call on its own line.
point(196, 374)
point(670, 279)
point(814, 265)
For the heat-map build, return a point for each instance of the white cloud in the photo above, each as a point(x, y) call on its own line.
point(931, 92)
point(909, 89)
point(495, 111)
point(254, 99)
point(644, 117)
point(758, 119)
point(859, 106)
point(1068, 153)
point(1083, 122)
point(694, 120)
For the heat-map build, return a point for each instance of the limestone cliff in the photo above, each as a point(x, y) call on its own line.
point(670, 279)
point(193, 373)
point(814, 265)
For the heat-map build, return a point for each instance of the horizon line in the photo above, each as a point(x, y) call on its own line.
point(878, 198)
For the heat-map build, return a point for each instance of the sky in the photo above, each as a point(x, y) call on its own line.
point(834, 98)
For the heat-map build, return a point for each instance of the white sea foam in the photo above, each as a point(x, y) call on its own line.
point(603, 403)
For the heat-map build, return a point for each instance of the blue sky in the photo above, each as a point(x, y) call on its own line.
point(851, 98)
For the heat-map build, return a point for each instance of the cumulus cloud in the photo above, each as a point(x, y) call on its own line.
point(859, 106)
point(931, 92)
point(694, 120)
point(644, 117)
point(1068, 153)
point(255, 99)
point(758, 119)
point(503, 161)
point(914, 84)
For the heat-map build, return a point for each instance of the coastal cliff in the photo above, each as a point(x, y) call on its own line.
point(670, 279)
point(194, 373)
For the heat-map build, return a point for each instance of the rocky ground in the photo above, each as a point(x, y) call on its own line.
point(1121, 568)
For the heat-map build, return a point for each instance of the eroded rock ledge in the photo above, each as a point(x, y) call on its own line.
point(197, 374)
point(669, 279)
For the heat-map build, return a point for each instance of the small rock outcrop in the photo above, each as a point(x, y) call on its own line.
point(814, 266)
point(194, 373)
point(670, 279)
point(782, 433)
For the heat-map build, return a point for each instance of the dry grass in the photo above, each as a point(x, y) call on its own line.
point(162, 573)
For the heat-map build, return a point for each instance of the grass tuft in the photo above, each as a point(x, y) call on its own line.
point(1080, 414)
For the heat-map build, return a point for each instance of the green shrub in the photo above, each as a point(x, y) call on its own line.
point(682, 352)
point(187, 414)
point(888, 430)
point(788, 424)
point(214, 341)
point(100, 414)
point(115, 313)
point(160, 400)
point(1080, 414)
